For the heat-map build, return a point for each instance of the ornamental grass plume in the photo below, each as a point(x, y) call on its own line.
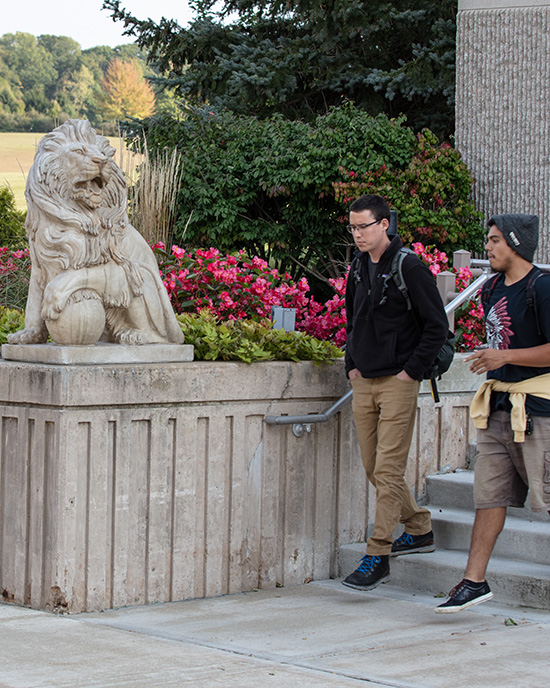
point(153, 197)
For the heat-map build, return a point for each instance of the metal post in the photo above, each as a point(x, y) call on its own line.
point(461, 259)
point(446, 284)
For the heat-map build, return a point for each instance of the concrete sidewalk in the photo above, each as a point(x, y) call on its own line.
point(316, 635)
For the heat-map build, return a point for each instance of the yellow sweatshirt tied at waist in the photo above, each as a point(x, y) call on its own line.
point(480, 409)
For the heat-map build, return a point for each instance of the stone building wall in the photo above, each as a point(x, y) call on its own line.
point(503, 106)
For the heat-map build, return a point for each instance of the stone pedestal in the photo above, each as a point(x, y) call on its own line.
point(98, 354)
point(125, 484)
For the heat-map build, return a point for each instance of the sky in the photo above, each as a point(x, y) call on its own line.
point(84, 20)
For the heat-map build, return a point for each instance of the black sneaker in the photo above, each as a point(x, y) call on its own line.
point(409, 544)
point(464, 595)
point(372, 571)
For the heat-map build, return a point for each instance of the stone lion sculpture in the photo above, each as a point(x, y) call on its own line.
point(93, 275)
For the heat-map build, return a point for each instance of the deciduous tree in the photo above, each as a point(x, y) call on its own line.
point(280, 188)
point(125, 92)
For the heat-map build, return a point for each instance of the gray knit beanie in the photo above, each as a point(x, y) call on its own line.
point(520, 231)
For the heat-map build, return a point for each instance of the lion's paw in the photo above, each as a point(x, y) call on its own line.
point(54, 301)
point(50, 311)
point(29, 335)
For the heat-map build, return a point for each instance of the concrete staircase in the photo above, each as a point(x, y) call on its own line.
point(519, 570)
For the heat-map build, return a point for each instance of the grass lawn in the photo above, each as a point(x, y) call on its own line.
point(16, 155)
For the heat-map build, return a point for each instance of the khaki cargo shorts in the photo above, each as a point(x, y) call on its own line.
point(506, 470)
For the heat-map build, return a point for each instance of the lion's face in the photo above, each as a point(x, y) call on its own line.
point(88, 170)
point(75, 165)
point(75, 195)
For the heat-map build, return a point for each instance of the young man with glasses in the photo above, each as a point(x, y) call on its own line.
point(389, 348)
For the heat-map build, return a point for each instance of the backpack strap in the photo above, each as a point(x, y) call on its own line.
point(488, 289)
point(354, 270)
point(397, 273)
point(531, 295)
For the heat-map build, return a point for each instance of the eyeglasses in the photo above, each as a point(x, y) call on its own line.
point(360, 228)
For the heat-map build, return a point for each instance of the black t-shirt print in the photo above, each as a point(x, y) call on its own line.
point(511, 324)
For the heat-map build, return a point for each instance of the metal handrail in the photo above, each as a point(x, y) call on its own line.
point(304, 421)
point(467, 294)
point(301, 424)
point(484, 263)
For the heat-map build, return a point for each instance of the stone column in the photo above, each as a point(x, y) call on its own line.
point(503, 106)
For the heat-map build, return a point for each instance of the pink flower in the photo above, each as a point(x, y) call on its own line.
point(178, 252)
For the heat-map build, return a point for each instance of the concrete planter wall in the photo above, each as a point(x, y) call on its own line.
point(124, 485)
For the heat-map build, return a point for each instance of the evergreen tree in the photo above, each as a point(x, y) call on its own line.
point(300, 57)
point(12, 221)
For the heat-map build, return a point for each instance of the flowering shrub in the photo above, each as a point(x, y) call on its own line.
point(431, 194)
point(238, 288)
point(232, 286)
point(469, 323)
point(327, 321)
point(436, 260)
point(15, 272)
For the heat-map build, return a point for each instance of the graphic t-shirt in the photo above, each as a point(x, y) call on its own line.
point(510, 323)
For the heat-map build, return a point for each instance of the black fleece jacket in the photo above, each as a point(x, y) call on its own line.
point(383, 336)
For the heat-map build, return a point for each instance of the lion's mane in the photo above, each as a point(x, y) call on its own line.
point(64, 232)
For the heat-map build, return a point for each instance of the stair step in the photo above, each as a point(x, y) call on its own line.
point(520, 539)
point(514, 583)
point(452, 490)
point(455, 491)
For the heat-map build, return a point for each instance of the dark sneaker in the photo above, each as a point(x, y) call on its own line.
point(465, 594)
point(372, 571)
point(409, 544)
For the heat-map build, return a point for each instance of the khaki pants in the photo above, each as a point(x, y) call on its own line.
point(384, 410)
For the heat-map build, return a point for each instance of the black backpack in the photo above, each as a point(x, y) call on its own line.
point(444, 358)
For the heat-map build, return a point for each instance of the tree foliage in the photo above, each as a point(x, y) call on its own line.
point(12, 221)
point(125, 94)
point(299, 57)
point(280, 188)
point(45, 80)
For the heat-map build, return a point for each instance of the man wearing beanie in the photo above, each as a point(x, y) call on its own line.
point(512, 407)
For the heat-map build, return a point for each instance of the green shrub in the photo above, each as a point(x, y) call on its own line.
point(27, 121)
point(242, 340)
point(249, 341)
point(431, 194)
point(12, 221)
point(270, 186)
point(265, 186)
point(11, 320)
